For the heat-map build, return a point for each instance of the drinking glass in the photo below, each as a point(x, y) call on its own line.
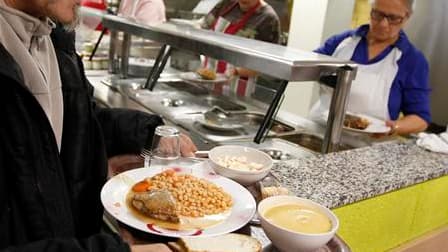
point(166, 144)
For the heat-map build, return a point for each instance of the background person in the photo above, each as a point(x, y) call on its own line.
point(254, 19)
point(149, 12)
point(53, 156)
point(392, 75)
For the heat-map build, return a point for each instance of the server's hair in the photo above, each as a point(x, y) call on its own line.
point(410, 4)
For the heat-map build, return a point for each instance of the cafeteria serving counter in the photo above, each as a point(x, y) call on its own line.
point(370, 189)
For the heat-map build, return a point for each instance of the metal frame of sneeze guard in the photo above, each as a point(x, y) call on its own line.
point(275, 60)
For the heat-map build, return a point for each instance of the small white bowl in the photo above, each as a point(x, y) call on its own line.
point(286, 240)
point(240, 176)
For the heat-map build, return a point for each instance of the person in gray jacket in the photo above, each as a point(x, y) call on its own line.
point(54, 140)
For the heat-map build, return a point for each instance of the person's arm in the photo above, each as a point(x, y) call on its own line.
point(126, 131)
point(415, 102)
point(415, 99)
point(407, 125)
point(129, 131)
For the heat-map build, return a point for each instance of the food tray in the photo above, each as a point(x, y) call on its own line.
point(252, 228)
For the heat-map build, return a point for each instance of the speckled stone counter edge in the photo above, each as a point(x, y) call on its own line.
point(342, 178)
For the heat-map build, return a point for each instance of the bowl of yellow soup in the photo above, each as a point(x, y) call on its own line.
point(297, 224)
point(245, 165)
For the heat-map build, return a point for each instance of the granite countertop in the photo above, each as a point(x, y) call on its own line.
point(341, 178)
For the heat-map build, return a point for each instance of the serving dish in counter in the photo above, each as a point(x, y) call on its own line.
point(279, 149)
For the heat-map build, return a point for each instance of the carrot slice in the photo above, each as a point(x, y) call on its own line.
point(141, 186)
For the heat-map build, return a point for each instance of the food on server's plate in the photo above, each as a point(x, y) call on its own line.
point(168, 196)
point(222, 243)
point(206, 74)
point(355, 122)
point(299, 218)
point(238, 163)
point(279, 128)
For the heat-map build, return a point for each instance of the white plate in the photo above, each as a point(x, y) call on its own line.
point(113, 197)
point(375, 125)
point(194, 77)
point(220, 126)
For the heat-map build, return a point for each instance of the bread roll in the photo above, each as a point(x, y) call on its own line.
point(222, 243)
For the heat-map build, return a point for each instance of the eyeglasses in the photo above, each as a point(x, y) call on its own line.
point(391, 19)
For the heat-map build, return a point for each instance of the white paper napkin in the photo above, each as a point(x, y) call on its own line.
point(444, 136)
point(433, 142)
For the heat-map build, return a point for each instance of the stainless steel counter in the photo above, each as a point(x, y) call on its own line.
point(277, 61)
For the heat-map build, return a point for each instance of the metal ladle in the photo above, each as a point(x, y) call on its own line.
point(277, 154)
point(216, 114)
point(217, 117)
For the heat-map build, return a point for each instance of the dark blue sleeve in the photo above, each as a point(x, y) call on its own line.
point(416, 90)
point(332, 43)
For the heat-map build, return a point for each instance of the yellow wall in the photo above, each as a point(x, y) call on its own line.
point(361, 13)
point(385, 222)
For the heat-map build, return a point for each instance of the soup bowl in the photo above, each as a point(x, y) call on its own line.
point(288, 240)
